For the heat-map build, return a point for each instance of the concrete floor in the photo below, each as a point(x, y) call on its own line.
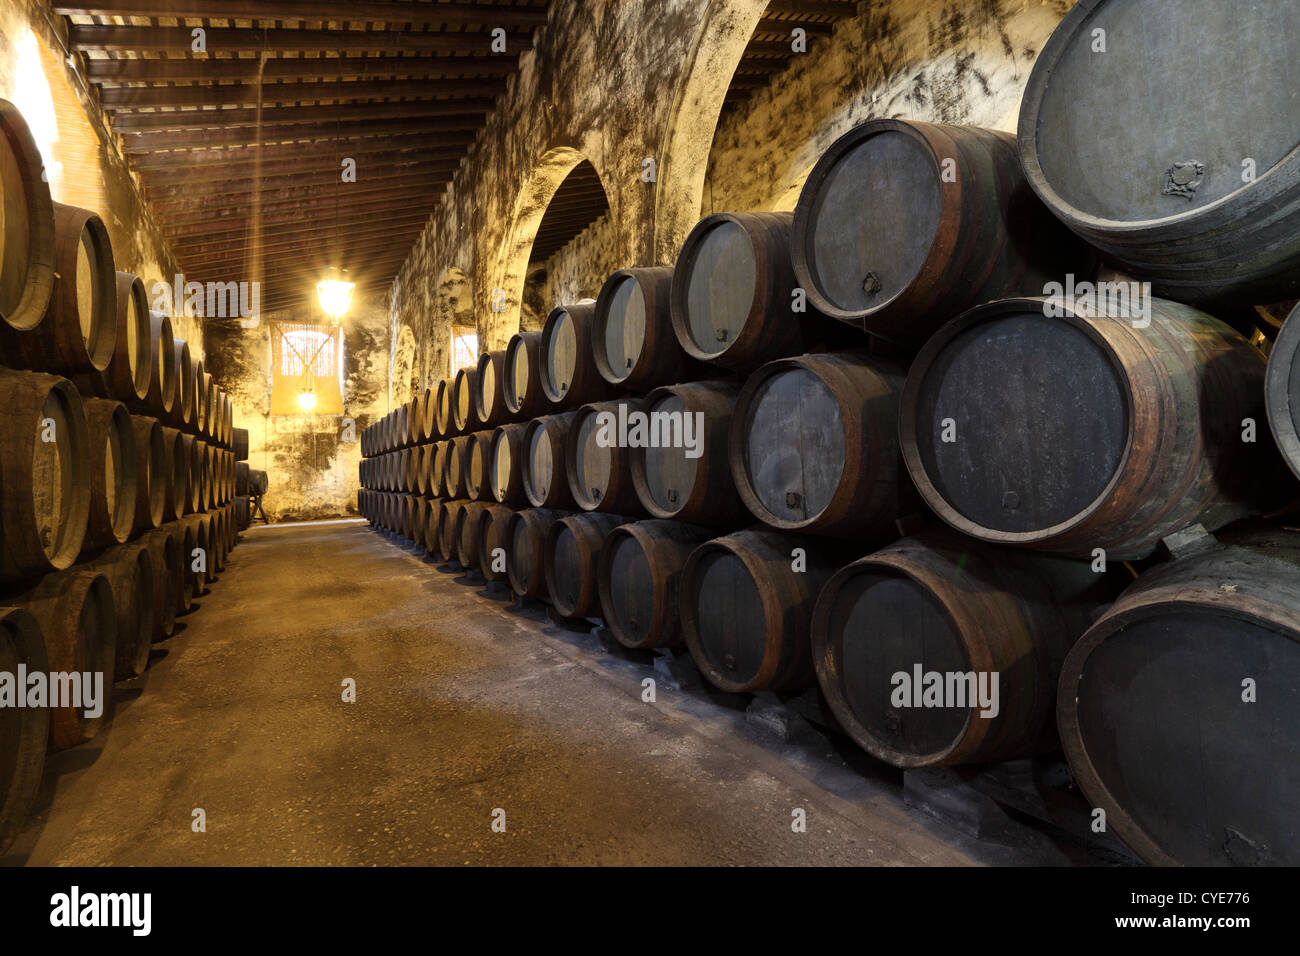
point(464, 705)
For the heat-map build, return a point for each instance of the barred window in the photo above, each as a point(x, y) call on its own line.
point(464, 347)
point(306, 357)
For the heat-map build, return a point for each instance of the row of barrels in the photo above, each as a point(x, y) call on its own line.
point(1074, 649)
point(89, 627)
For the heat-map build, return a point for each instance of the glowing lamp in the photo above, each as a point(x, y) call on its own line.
point(335, 296)
point(307, 401)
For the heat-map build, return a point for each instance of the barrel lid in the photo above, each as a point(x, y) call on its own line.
point(728, 624)
point(628, 587)
point(621, 331)
point(515, 386)
point(1129, 120)
point(721, 270)
point(668, 473)
point(592, 464)
point(537, 475)
point(559, 362)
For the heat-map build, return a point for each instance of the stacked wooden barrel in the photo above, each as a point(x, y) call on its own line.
point(909, 443)
point(115, 461)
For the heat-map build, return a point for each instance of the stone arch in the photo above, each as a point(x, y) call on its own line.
point(720, 42)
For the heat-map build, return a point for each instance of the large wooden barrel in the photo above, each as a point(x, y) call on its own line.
point(545, 482)
point(902, 225)
point(75, 612)
point(168, 579)
point(683, 472)
point(457, 460)
point(428, 429)
point(1082, 431)
point(478, 485)
point(242, 513)
point(814, 445)
point(522, 376)
point(448, 536)
point(489, 390)
point(177, 492)
point(464, 533)
point(493, 543)
point(205, 400)
point(44, 474)
point(27, 253)
point(131, 366)
point(182, 413)
point(79, 331)
point(526, 534)
point(464, 410)
point(433, 527)
point(1195, 186)
point(114, 474)
point(1179, 709)
point(200, 557)
point(572, 551)
point(185, 535)
point(1282, 391)
point(25, 731)
point(597, 464)
point(444, 395)
point(151, 474)
point(128, 569)
point(632, 335)
point(733, 291)
point(423, 466)
point(161, 395)
point(240, 444)
point(194, 467)
point(258, 483)
point(746, 610)
point(438, 467)
point(992, 623)
point(640, 565)
point(505, 463)
point(566, 362)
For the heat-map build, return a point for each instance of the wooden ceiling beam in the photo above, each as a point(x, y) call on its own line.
point(465, 111)
point(210, 69)
point(393, 229)
point(238, 219)
point(229, 40)
point(121, 98)
point(328, 170)
point(306, 11)
point(325, 134)
point(172, 198)
point(411, 145)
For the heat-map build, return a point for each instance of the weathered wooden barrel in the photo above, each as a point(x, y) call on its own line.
point(1282, 391)
point(526, 534)
point(464, 412)
point(161, 395)
point(522, 376)
point(640, 565)
point(74, 610)
point(205, 399)
point(131, 366)
point(505, 464)
point(746, 610)
point(465, 532)
point(902, 225)
point(27, 257)
point(168, 579)
point(438, 467)
point(545, 481)
point(185, 535)
point(814, 445)
point(597, 462)
point(182, 413)
point(444, 394)
point(79, 331)
point(566, 364)
point(178, 475)
point(489, 390)
point(423, 465)
point(242, 513)
point(1081, 431)
point(114, 474)
point(414, 520)
point(1177, 706)
point(151, 474)
point(25, 731)
point(682, 471)
point(428, 415)
point(218, 542)
point(240, 444)
point(410, 468)
point(478, 485)
point(257, 481)
point(632, 334)
point(433, 527)
point(572, 551)
point(457, 458)
point(45, 474)
point(732, 295)
point(205, 542)
point(940, 650)
point(194, 467)
point(493, 542)
point(198, 425)
point(1194, 186)
point(447, 530)
point(129, 571)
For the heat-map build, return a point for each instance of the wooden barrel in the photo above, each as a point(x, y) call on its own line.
point(544, 477)
point(258, 483)
point(241, 477)
point(465, 532)
point(433, 527)
point(199, 422)
point(522, 376)
point(814, 445)
point(443, 394)
point(114, 474)
point(1176, 706)
point(74, 610)
point(526, 536)
point(128, 569)
point(240, 445)
point(448, 538)
point(683, 472)
point(746, 611)
point(597, 463)
point(44, 474)
point(205, 400)
point(464, 411)
point(632, 331)
point(1282, 391)
point(201, 563)
point(566, 364)
point(401, 426)
point(242, 513)
point(572, 550)
point(902, 225)
point(161, 395)
point(732, 294)
point(456, 461)
point(640, 565)
point(182, 413)
point(478, 485)
point(130, 369)
point(184, 533)
point(79, 331)
point(423, 464)
point(25, 731)
point(489, 390)
point(410, 468)
point(27, 255)
point(178, 475)
point(970, 613)
point(505, 464)
point(493, 543)
point(1194, 186)
point(438, 468)
point(1081, 431)
point(168, 579)
point(414, 420)
point(151, 474)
